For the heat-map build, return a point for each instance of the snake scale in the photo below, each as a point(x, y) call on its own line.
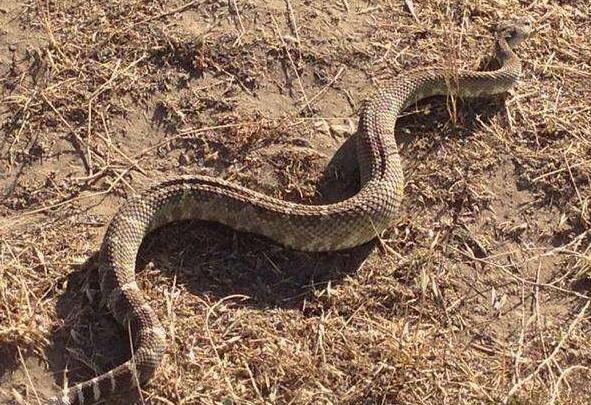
point(303, 227)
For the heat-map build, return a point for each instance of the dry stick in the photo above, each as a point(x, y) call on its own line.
point(561, 249)
point(88, 137)
point(116, 73)
point(93, 176)
point(210, 336)
point(323, 90)
point(109, 143)
point(80, 197)
point(524, 324)
point(520, 279)
point(561, 170)
point(292, 21)
point(233, 78)
point(411, 8)
point(103, 86)
point(253, 382)
point(242, 29)
point(570, 172)
point(80, 143)
point(164, 14)
point(568, 69)
point(24, 111)
point(127, 170)
point(20, 355)
point(17, 136)
point(562, 377)
point(581, 260)
point(51, 37)
point(368, 10)
point(133, 163)
point(346, 4)
point(551, 357)
point(182, 134)
point(538, 317)
point(167, 13)
point(292, 62)
point(164, 400)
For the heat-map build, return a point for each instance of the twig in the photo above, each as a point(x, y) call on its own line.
point(517, 355)
point(116, 73)
point(239, 18)
point(520, 279)
point(169, 12)
point(561, 170)
point(88, 137)
point(292, 21)
point(550, 358)
point(295, 69)
point(411, 8)
point(20, 355)
point(80, 197)
point(563, 375)
point(182, 134)
point(79, 143)
point(570, 172)
point(210, 336)
point(253, 382)
point(323, 90)
point(346, 4)
point(109, 144)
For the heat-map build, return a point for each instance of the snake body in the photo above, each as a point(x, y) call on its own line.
point(304, 227)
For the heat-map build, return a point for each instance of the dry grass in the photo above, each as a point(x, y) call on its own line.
point(478, 293)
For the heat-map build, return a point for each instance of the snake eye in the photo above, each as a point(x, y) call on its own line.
point(514, 31)
point(513, 34)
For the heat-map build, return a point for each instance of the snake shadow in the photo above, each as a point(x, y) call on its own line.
point(214, 261)
point(208, 260)
point(431, 120)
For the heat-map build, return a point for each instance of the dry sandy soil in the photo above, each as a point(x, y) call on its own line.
point(477, 293)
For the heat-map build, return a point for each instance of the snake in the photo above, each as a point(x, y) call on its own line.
point(323, 227)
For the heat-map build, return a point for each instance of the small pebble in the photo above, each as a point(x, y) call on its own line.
point(343, 130)
point(322, 126)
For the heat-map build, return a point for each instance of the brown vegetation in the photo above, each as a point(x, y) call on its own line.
point(478, 293)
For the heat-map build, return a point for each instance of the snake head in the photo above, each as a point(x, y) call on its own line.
point(514, 32)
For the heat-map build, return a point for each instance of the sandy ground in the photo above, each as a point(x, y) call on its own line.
point(477, 293)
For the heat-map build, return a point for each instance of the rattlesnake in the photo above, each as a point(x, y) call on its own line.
point(304, 227)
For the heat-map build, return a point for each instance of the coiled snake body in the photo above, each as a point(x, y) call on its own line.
point(314, 228)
